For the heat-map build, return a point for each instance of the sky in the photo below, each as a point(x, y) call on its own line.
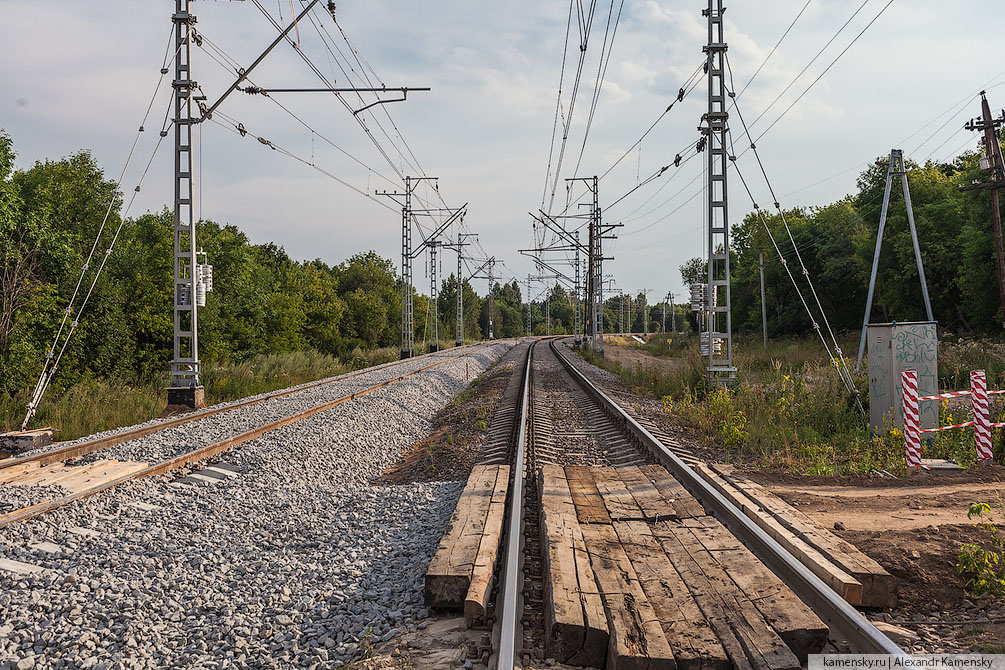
point(79, 75)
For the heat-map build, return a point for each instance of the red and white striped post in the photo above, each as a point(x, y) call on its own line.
point(982, 416)
point(912, 423)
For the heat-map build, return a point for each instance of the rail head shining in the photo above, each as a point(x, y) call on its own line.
point(846, 623)
point(510, 629)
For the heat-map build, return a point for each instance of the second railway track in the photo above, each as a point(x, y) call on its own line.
point(60, 475)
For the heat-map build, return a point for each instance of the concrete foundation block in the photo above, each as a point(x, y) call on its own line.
point(19, 442)
point(188, 396)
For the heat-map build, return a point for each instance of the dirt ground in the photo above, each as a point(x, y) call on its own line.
point(914, 527)
point(631, 358)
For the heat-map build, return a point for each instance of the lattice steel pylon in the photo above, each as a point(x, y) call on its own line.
point(185, 388)
point(719, 323)
point(407, 315)
point(434, 294)
point(577, 302)
point(459, 335)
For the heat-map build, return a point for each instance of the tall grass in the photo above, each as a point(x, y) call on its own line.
point(789, 410)
point(94, 405)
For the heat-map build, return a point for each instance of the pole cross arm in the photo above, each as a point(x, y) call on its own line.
point(552, 225)
point(475, 275)
point(557, 273)
point(982, 185)
point(443, 226)
point(243, 74)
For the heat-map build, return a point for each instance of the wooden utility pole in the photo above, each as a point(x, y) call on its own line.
point(764, 310)
point(994, 164)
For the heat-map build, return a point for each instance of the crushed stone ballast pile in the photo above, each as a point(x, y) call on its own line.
point(284, 555)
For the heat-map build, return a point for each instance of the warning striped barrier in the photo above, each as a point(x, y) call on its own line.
point(912, 424)
point(979, 400)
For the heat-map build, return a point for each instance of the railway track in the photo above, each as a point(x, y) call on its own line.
point(81, 464)
point(566, 420)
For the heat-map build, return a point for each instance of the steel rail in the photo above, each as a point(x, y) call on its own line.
point(510, 629)
point(845, 622)
point(208, 451)
point(89, 447)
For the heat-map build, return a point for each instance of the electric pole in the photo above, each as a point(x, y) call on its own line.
point(434, 294)
point(719, 323)
point(994, 164)
point(186, 387)
point(621, 313)
point(577, 299)
point(895, 168)
point(764, 309)
point(644, 308)
point(673, 314)
point(408, 254)
point(459, 335)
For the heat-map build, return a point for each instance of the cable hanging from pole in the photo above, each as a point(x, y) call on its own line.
point(837, 358)
point(52, 359)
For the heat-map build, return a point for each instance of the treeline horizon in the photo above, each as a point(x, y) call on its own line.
point(265, 302)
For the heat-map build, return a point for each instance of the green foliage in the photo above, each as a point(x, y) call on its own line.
point(264, 304)
point(981, 566)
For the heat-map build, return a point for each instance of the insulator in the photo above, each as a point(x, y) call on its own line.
point(200, 294)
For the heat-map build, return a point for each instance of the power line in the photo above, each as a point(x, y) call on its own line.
point(773, 49)
point(601, 75)
point(826, 70)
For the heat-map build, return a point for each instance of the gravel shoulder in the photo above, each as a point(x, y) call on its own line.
point(294, 562)
point(459, 430)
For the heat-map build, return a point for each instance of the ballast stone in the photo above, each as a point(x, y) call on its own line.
point(299, 534)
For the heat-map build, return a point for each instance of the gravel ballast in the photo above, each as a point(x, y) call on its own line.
point(294, 562)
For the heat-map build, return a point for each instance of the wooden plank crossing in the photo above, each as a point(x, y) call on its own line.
point(678, 590)
point(576, 630)
point(73, 478)
point(831, 574)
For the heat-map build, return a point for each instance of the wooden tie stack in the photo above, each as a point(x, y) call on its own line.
point(460, 574)
point(640, 577)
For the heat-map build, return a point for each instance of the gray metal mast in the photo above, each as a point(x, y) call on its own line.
point(186, 388)
point(529, 331)
point(434, 294)
point(895, 168)
point(577, 301)
point(407, 315)
point(598, 269)
point(459, 335)
point(719, 324)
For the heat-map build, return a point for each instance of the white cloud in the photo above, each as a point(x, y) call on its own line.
point(79, 75)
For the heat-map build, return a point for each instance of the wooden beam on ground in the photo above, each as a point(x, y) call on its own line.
point(618, 500)
point(477, 599)
point(15, 471)
point(742, 629)
point(99, 473)
point(651, 502)
point(576, 630)
point(673, 492)
point(449, 574)
point(833, 575)
point(585, 496)
point(879, 587)
point(694, 644)
point(798, 626)
point(637, 639)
